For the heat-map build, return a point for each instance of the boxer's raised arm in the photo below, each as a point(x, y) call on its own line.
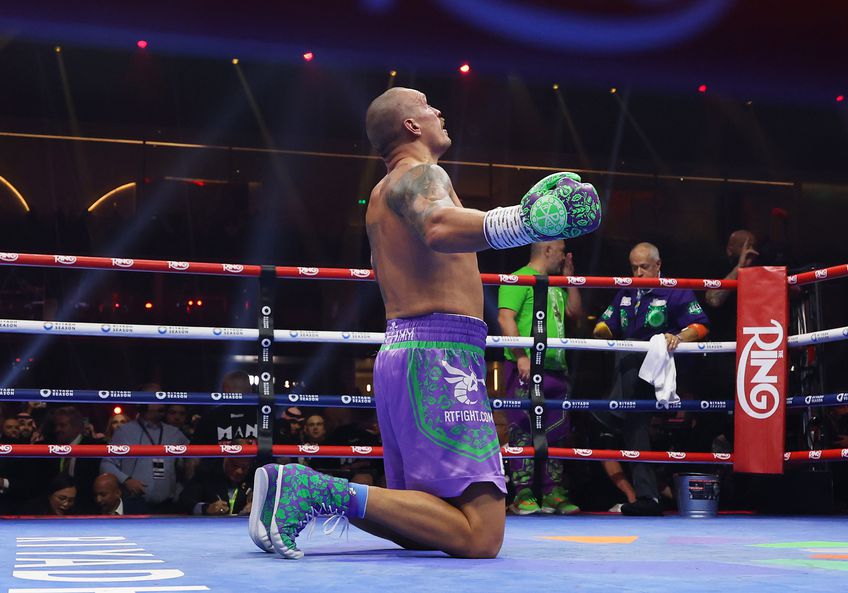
point(559, 206)
point(425, 200)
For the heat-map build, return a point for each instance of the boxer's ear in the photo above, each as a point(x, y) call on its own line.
point(412, 125)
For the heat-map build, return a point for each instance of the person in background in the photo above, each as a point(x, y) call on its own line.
point(358, 431)
point(22, 479)
point(290, 431)
point(177, 416)
point(639, 314)
point(114, 422)
point(315, 430)
point(110, 500)
point(10, 431)
point(26, 428)
point(222, 425)
point(220, 489)
point(741, 251)
point(714, 430)
point(152, 479)
point(515, 317)
point(59, 498)
point(66, 426)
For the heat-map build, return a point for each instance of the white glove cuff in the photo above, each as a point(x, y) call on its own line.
point(504, 228)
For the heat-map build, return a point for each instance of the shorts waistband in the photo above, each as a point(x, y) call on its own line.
point(437, 327)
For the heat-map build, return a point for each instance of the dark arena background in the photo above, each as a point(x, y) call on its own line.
point(189, 131)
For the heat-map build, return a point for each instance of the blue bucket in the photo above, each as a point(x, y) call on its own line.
point(697, 495)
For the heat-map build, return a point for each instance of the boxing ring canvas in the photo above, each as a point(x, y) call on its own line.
point(540, 553)
point(599, 553)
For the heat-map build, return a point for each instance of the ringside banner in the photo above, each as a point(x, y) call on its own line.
point(761, 363)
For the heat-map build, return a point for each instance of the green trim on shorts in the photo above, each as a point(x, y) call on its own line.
point(423, 344)
point(477, 444)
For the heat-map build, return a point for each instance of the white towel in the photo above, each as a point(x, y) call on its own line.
point(658, 369)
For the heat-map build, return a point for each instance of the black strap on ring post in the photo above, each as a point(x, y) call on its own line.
point(537, 378)
point(265, 413)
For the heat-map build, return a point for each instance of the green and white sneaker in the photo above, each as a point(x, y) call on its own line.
point(291, 496)
point(525, 503)
point(263, 506)
point(557, 501)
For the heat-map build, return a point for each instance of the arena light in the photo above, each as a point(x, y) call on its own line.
point(141, 43)
point(308, 56)
point(148, 305)
point(840, 98)
point(465, 68)
point(199, 302)
point(613, 90)
point(58, 49)
point(194, 181)
point(235, 61)
point(109, 194)
point(117, 410)
point(556, 86)
point(393, 73)
point(702, 88)
point(15, 192)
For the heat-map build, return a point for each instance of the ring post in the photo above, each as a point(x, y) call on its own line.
point(265, 414)
point(761, 363)
point(537, 378)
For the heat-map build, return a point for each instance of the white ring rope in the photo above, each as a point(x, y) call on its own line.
point(184, 332)
point(836, 334)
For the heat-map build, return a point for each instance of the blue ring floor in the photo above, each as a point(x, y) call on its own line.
point(540, 553)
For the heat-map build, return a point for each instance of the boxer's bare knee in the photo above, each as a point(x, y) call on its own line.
point(483, 506)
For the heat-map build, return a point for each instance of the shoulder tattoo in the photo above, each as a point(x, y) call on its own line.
point(419, 193)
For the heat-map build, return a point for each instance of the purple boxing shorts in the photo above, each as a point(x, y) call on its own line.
point(435, 417)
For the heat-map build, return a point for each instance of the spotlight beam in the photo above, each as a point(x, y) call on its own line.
point(254, 106)
point(153, 204)
point(89, 282)
point(572, 129)
point(655, 156)
point(73, 121)
point(606, 195)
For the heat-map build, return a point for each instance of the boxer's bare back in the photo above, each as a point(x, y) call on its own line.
point(414, 278)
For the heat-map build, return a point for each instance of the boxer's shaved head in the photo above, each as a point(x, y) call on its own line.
point(384, 119)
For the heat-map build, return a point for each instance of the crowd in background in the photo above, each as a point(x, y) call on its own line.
point(60, 486)
point(167, 485)
point(170, 485)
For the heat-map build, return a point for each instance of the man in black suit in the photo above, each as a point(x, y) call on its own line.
point(220, 489)
point(109, 497)
point(67, 427)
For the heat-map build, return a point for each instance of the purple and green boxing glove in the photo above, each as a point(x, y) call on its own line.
point(557, 207)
